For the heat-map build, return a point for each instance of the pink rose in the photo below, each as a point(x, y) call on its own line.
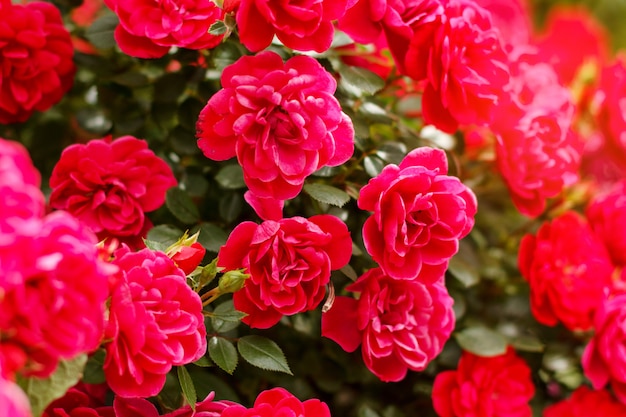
point(54, 288)
point(16, 166)
point(135, 407)
point(512, 19)
point(109, 185)
point(607, 217)
point(279, 402)
point(603, 359)
point(420, 213)
point(155, 322)
point(148, 29)
point(281, 120)
point(568, 271)
point(586, 402)
point(13, 401)
point(498, 386)
point(401, 324)
point(36, 65)
point(289, 262)
point(303, 25)
point(460, 56)
point(611, 119)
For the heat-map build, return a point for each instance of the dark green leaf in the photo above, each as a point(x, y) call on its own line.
point(212, 237)
point(169, 87)
point(230, 177)
point(186, 384)
point(181, 206)
point(230, 206)
point(157, 246)
point(360, 79)
point(263, 353)
point(223, 353)
point(527, 343)
point(188, 113)
point(164, 234)
point(93, 373)
point(131, 79)
point(100, 33)
point(327, 194)
point(42, 392)
point(204, 362)
point(482, 341)
point(373, 165)
point(465, 273)
point(225, 318)
point(218, 28)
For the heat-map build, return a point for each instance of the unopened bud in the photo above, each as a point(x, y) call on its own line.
point(232, 281)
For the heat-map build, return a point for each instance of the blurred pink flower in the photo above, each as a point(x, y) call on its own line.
point(13, 401)
point(587, 402)
point(148, 29)
point(289, 262)
point(303, 25)
point(279, 402)
point(498, 386)
point(607, 216)
point(420, 213)
point(568, 271)
point(54, 287)
point(36, 65)
point(603, 359)
point(155, 322)
point(281, 120)
point(109, 185)
point(401, 324)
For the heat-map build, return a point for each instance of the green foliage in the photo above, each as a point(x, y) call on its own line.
point(327, 194)
point(223, 353)
point(263, 353)
point(187, 386)
point(482, 341)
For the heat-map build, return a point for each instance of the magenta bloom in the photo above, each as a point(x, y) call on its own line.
point(148, 28)
point(607, 217)
point(81, 400)
point(401, 324)
point(568, 271)
point(303, 25)
point(289, 262)
point(155, 322)
point(13, 401)
point(420, 213)
point(36, 65)
point(498, 386)
point(134, 407)
point(604, 360)
point(460, 56)
point(586, 402)
point(279, 402)
point(54, 287)
point(281, 120)
point(109, 185)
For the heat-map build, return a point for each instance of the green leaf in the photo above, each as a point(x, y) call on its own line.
point(527, 343)
point(263, 353)
point(93, 373)
point(100, 33)
point(186, 384)
point(230, 177)
point(373, 165)
point(204, 362)
point(223, 353)
point(164, 234)
point(42, 392)
point(465, 273)
point(327, 194)
point(482, 341)
point(212, 237)
point(153, 245)
point(360, 79)
point(181, 206)
point(230, 206)
point(218, 28)
point(225, 317)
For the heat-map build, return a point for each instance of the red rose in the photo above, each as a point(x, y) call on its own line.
point(155, 322)
point(498, 386)
point(109, 185)
point(460, 56)
point(188, 258)
point(139, 407)
point(607, 217)
point(568, 271)
point(148, 28)
point(80, 401)
point(279, 402)
point(303, 25)
point(420, 213)
point(401, 324)
point(289, 262)
point(603, 359)
point(36, 65)
point(281, 120)
point(586, 402)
